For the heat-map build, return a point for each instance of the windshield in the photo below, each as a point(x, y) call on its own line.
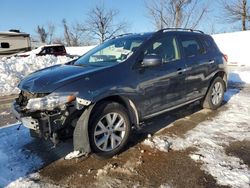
point(113, 51)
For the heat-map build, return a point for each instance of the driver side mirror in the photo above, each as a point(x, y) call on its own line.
point(151, 61)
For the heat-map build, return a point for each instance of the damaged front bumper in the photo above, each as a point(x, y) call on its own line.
point(70, 119)
point(55, 124)
point(28, 122)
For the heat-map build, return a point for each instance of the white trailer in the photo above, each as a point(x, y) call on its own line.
point(13, 42)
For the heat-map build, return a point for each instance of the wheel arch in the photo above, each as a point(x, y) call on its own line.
point(221, 74)
point(126, 103)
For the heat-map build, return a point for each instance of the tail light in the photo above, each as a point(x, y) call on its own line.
point(225, 57)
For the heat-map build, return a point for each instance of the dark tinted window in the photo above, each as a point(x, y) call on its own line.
point(5, 45)
point(53, 50)
point(192, 46)
point(209, 44)
point(58, 49)
point(165, 47)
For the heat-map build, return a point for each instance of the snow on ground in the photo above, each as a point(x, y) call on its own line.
point(211, 136)
point(31, 181)
point(13, 69)
point(15, 160)
point(239, 77)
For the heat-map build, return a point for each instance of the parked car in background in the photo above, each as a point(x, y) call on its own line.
point(51, 49)
point(100, 96)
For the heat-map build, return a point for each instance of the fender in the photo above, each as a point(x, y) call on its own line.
point(81, 134)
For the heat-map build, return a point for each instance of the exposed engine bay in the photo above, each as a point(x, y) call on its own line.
point(48, 116)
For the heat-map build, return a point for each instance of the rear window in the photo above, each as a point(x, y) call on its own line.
point(209, 44)
point(192, 46)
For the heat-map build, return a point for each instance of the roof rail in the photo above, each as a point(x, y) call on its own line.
point(121, 35)
point(180, 29)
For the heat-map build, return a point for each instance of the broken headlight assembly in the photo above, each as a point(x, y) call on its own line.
point(50, 101)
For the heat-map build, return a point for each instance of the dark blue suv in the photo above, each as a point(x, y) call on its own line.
point(99, 97)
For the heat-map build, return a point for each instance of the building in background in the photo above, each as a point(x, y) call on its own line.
point(14, 41)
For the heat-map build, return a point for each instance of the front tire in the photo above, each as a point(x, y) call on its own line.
point(109, 129)
point(215, 94)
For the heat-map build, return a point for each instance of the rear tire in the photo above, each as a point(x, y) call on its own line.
point(109, 129)
point(215, 94)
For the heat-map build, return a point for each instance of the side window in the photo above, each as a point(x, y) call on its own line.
point(43, 51)
point(165, 47)
point(50, 50)
point(5, 45)
point(210, 44)
point(135, 45)
point(58, 49)
point(192, 46)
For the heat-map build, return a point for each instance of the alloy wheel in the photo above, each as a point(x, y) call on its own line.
point(109, 132)
point(217, 93)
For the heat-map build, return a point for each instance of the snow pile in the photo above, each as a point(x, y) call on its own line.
point(75, 154)
point(14, 69)
point(79, 50)
point(160, 143)
point(32, 52)
point(239, 77)
point(211, 136)
point(15, 160)
point(236, 45)
point(32, 181)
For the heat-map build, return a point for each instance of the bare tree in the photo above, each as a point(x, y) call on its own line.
point(74, 34)
point(176, 13)
point(43, 35)
point(101, 23)
point(66, 32)
point(237, 10)
point(51, 32)
point(58, 40)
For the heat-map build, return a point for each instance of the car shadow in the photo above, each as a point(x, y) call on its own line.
point(235, 85)
point(47, 152)
point(153, 125)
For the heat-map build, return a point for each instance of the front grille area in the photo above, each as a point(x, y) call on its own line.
point(24, 96)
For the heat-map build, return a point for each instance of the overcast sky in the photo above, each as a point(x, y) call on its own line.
point(25, 15)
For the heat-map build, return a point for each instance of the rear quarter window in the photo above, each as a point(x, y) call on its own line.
point(192, 46)
point(209, 44)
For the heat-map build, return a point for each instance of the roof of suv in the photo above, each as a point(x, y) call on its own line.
point(174, 30)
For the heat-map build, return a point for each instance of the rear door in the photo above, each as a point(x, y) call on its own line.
point(198, 64)
point(162, 87)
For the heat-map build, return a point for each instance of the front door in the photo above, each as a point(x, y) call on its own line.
point(163, 86)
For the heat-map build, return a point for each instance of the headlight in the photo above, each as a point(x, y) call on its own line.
point(50, 102)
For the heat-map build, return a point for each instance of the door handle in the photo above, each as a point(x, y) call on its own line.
point(211, 62)
point(180, 70)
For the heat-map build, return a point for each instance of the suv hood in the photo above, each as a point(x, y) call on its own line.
point(49, 79)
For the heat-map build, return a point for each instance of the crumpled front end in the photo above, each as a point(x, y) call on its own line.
point(51, 116)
